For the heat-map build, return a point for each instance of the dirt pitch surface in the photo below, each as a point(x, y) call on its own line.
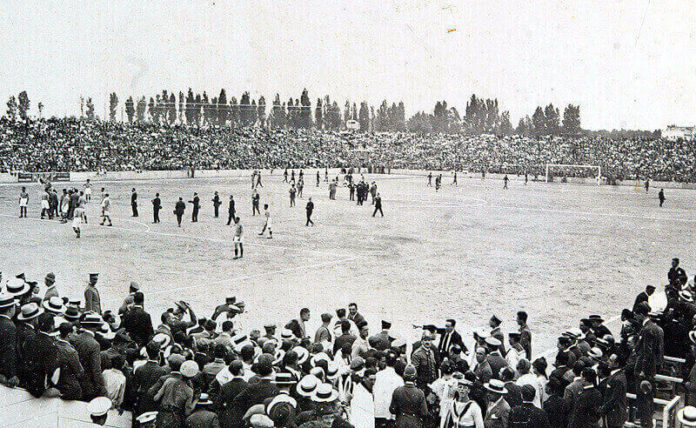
point(558, 251)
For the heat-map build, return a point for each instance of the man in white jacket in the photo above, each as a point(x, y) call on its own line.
point(386, 381)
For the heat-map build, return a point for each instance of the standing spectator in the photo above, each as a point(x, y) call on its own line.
point(134, 202)
point(68, 361)
point(525, 334)
point(8, 341)
point(92, 300)
point(408, 402)
point(137, 322)
point(87, 348)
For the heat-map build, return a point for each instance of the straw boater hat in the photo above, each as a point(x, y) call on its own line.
point(189, 369)
point(687, 416)
point(319, 357)
point(286, 334)
point(686, 296)
point(331, 370)
point(496, 386)
point(278, 399)
point(306, 386)
point(71, 313)
point(147, 417)
point(163, 339)
point(493, 342)
point(99, 406)
point(204, 400)
point(282, 378)
point(54, 305)
point(302, 354)
point(29, 312)
point(17, 286)
point(92, 320)
point(6, 300)
point(325, 393)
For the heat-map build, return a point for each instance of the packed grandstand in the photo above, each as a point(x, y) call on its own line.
point(79, 145)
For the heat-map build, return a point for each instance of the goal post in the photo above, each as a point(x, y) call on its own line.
point(567, 170)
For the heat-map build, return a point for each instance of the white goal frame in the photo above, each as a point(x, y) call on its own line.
point(595, 167)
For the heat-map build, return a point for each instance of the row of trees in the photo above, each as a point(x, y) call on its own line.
point(481, 115)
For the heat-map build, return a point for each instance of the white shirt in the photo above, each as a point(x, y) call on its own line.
point(115, 383)
point(472, 417)
point(531, 379)
point(386, 381)
point(362, 408)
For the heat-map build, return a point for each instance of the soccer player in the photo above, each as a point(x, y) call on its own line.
point(310, 210)
point(78, 214)
point(45, 206)
point(300, 186)
point(88, 191)
point(105, 205)
point(293, 191)
point(23, 202)
point(267, 225)
point(238, 244)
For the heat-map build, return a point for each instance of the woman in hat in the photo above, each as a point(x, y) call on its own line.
point(463, 412)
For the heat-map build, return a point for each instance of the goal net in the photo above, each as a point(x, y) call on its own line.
point(561, 172)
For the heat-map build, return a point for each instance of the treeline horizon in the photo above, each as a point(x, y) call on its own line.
point(481, 116)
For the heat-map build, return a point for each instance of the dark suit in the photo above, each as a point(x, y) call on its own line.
point(528, 416)
point(409, 405)
point(497, 363)
point(556, 410)
point(342, 340)
point(70, 371)
point(586, 411)
point(196, 206)
point(649, 349)
point(514, 395)
point(138, 324)
point(230, 212)
point(144, 377)
point(156, 207)
point(449, 339)
point(134, 203)
point(254, 394)
point(40, 362)
point(87, 349)
point(8, 348)
point(615, 404)
point(230, 416)
point(25, 335)
point(358, 319)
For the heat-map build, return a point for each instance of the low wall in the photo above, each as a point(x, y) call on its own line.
point(18, 408)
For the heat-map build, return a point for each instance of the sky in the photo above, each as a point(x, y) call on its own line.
point(628, 64)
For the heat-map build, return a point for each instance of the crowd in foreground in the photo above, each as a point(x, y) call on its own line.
point(77, 145)
point(184, 370)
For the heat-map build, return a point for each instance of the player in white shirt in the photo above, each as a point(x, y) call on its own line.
point(79, 214)
point(267, 225)
point(105, 205)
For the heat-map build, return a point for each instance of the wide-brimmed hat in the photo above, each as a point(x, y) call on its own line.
point(325, 393)
point(189, 369)
point(147, 417)
point(29, 312)
point(54, 305)
point(595, 353)
point(17, 286)
point(204, 400)
point(306, 386)
point(163, 339)
point(92, 320)
point(302, 354)
point(279, 399)
point(319, 357)
point(597, 318)
point(50, 278)
point(331, 370)
point(287, 334)
point(686, 296)
point(493, 342)
point(687, 416)
point(99, 406)
point(71, 313)
point(6, 299)
point(278, 357)
point(497, 386)
point(282, 378)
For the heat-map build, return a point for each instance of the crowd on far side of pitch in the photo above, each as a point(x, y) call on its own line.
point(76, 145)
point(179, 369)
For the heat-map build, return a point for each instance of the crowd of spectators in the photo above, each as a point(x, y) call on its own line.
point(77, 145)
point(186, 370)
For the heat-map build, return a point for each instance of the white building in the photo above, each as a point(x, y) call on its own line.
point(674, 133)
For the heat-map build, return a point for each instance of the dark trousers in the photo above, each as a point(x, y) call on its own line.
point(155, 215)
point(255, 209)
point(217, 211)
point(194, 215)
point(134, 207)
point(309, 219)
point(230, 217)
point(178, 219)
point(292, 202)
point(378, 209)
point(384, 423)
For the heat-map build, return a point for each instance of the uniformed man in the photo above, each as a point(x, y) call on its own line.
point(92, 299)
point(216, 204)
point(156, 207)
point(230, 210)
point(179, 209)
point(134, 202)
point(196, 206)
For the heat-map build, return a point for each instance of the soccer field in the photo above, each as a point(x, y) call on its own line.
point(559, 251)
